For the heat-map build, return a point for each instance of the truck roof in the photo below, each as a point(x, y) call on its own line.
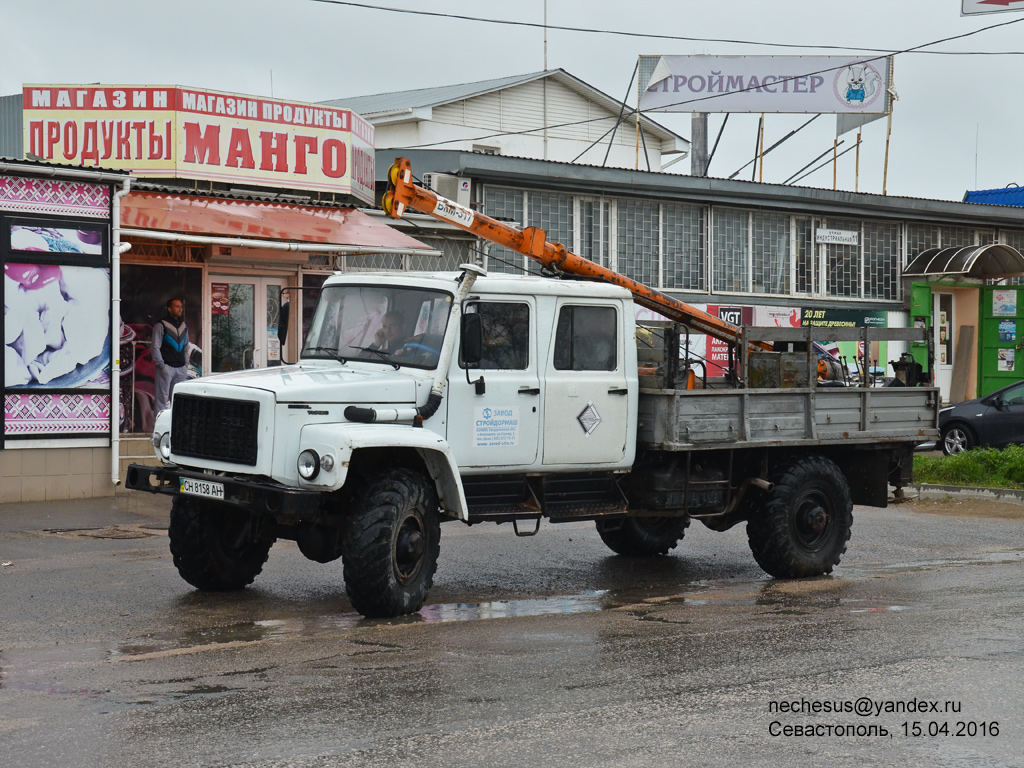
point(526, 285)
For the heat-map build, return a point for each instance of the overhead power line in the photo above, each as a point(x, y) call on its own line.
point(656, 36)
point(697, 99)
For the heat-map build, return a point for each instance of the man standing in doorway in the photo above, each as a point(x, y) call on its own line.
point(170, 352)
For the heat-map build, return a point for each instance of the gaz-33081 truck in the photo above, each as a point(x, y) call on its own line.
point(516, 399)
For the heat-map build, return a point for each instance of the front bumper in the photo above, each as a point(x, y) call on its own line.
point(278, 501)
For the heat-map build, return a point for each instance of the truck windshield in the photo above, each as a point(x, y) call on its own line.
point(397, 325)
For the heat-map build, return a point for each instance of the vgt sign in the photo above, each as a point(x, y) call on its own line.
point(170, 131)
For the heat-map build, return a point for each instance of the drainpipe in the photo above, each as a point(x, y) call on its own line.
point(115, 333)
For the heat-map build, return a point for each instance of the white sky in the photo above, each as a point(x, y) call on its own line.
point(958, 124)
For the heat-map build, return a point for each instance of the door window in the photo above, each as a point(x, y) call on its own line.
point(585, 339)
point(506, 333)
point(244, 317)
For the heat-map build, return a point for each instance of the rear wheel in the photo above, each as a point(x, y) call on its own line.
point(804, 523)
point(391, 545)
point(957, 438)
point(642, 536)
point(216, 547)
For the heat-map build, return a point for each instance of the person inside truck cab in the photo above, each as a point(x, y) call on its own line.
point(393, 332)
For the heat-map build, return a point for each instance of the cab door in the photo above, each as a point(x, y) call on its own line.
point(497, 423)
point(586, 403)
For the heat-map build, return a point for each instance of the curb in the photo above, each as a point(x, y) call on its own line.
point(1008, 495)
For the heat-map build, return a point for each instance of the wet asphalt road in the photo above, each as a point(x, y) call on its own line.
point(543, 651)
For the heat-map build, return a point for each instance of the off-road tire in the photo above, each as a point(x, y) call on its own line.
point(803, 525)
point(642, 536)
point(214, 546)
point(957, 438)
point(391, 544)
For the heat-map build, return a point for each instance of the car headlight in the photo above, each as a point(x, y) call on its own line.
point(308, 464)
point(162, 443)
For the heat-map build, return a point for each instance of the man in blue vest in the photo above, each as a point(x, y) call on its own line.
point(170, 352)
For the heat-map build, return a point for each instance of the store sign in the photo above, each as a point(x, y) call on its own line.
point(794, 84)
point(171, 131)
point(836, 237)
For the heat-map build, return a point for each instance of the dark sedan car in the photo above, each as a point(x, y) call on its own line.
point(996, 420)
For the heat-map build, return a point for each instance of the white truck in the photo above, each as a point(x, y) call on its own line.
point(516, 399)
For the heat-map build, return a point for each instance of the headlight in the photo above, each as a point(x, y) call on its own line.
point(308, 464)
point(165, 445)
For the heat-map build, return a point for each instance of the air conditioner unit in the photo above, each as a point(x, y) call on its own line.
point(446, 185)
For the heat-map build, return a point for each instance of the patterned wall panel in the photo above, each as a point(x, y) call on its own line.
point(56, 415)
point(64, 198)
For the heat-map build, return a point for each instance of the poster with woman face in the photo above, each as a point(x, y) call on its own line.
point(56, 326)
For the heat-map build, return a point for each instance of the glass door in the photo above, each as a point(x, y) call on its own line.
point(244, 315)
point(942, 317)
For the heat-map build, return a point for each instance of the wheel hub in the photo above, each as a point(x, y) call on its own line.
point(815, 520)
point(410, 545)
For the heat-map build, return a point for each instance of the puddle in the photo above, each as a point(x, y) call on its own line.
point(109, 532)
point(596, 600)
point(988, 558)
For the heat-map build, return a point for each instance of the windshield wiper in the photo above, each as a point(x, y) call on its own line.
point(331, 351)
point(379, 353)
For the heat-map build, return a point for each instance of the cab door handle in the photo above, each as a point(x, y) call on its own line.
point(617, 391)
point(529, 390)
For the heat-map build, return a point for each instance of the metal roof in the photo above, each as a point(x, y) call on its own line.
point(588, 179)
point(421, 98)
point(1007, 196)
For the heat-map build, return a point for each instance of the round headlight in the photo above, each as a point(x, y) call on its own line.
point(308, 464)
point(327, 462)
point(165, 445)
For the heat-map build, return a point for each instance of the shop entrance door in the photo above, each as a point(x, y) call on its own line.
point(244, 314)
point(942, 317)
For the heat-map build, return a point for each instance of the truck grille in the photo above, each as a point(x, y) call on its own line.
point(215, 428)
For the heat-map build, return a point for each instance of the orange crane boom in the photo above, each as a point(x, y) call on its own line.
point(403, 194)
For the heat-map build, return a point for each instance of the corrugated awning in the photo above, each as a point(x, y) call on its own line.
point(213, 220)
point(978, 261)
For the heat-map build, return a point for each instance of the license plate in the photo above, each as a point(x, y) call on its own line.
point(201, 488)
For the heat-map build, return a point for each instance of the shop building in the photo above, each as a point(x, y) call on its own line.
point(59, 245)
point(237, 200)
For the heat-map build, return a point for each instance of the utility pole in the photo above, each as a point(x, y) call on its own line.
point(699, 144)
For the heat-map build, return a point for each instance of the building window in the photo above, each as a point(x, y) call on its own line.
point(843, 262)
point(639, 241)
point(920, 237)
point(881, 260)
point(730, 250)
point(454, 251)
point(504, 204)
point(594, 225)
point(683, 256)
point(806, 256)
point(771, 253)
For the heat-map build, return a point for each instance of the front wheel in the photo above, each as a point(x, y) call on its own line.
point(391, 544)
point(957, 438)
point(803, 525)
point(216, 547)
point(642, 536)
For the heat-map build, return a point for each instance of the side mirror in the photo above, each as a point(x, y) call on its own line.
point(282, 323)
point(472, 339)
